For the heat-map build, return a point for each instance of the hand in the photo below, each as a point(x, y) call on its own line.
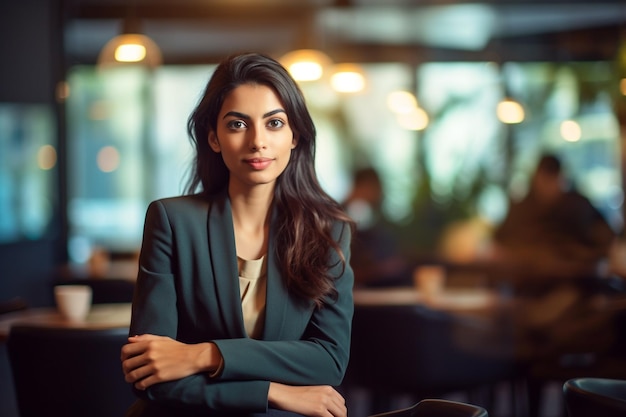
point(150, 359)
point(312, 401)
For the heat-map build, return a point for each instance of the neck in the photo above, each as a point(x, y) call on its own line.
point(251, 220)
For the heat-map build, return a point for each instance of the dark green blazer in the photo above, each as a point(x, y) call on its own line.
point(188, 289)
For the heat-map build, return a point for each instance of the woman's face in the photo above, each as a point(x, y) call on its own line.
point(253, 135)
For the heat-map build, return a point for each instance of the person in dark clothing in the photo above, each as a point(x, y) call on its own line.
point(554, 232)
point(555, 243)
point(376, 257)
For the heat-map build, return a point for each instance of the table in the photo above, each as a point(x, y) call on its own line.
point(449, 299)
point(100, 316)
point(470, 314)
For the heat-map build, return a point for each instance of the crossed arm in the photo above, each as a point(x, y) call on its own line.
point(150, 359)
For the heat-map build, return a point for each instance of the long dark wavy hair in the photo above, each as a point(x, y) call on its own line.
point(306, 213)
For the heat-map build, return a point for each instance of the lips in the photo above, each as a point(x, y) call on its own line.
point(259, 163)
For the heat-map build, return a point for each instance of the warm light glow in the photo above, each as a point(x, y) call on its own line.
point(622, 86)
point(108, 159)
point(416, 119)
point(510, 111)
point(401, 102)
point(306, 71)
point(130, 49)
point(306, 64)
point(46, 157)
point(571, 131)
point(62, 91)
point(130, 53)
point(348, 78)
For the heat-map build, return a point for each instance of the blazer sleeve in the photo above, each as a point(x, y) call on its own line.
point(320, 356)
point(155, 311)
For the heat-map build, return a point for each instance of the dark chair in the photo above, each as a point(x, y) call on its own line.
point(593, 343)
point(438, 408)
point(416, 351)
point(68, 372)
point(591, 397)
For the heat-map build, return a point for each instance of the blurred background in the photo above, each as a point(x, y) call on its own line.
point(449, 104)
point(85, 144)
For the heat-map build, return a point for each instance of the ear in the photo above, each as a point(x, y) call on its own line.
point(214, 143)
point(294, 142)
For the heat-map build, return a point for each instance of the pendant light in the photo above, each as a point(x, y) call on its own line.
point(131, 47)
point(347, 78)
point(510, 111)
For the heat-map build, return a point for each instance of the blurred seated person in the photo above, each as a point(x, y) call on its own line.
point(555, 241)
point(554, 232)
point(376, 258)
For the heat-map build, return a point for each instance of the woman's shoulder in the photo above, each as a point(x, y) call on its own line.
point(190, 200)
point(342, 229)
point(185, 204)
point(181, 212)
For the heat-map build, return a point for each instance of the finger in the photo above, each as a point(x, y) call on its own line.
point(132, 349)
point(140, 386)
point(140, 372)
point(133, 363)
point(338, 410)
point(337, 405)
point(146, 382)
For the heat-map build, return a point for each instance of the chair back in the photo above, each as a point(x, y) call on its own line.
point(438, 408)
point(69, 372)
point(595, 397)
point(423, 352)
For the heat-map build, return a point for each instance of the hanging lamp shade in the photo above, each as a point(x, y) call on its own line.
point(130, 49)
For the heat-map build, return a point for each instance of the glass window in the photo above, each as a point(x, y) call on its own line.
point(128, 144)
point(28, 163)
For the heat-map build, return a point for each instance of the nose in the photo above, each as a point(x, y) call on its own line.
point(257, 139)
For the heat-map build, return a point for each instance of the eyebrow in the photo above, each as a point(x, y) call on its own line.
point(245, 116)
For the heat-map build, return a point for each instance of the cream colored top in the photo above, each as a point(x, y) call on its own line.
point(252, 287)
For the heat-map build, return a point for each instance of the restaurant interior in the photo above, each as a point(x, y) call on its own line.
point(446, 105)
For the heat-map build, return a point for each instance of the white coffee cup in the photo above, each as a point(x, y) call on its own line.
point(73, 301)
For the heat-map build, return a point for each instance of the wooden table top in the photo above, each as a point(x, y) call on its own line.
point(457, 299)
point(100, 316)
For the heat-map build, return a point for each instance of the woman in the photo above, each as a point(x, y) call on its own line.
point(277, 337)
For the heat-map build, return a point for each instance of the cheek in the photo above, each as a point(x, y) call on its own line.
point(289, 156)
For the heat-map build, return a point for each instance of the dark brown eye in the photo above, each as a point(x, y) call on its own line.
point(236, 124)
point(276, 123)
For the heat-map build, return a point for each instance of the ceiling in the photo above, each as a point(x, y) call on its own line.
point(201, 31)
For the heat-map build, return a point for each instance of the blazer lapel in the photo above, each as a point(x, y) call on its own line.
point(277, 296)
point(223, 256)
